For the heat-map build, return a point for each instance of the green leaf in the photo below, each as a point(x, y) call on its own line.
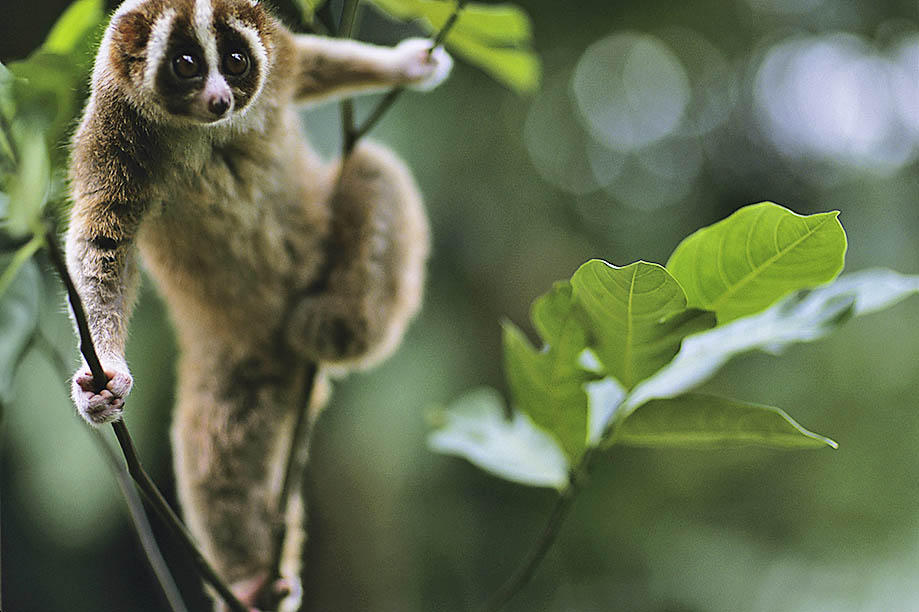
point(703, 421)
point(19, 307)
point(494, 38)
point(604, 398)
point(17, 261)
point(548, 385)
point(7, 108)
point(29, 188)
point(755, 257)
point(74, 27)
point(308, 8)
point(802, 317)
point(475, 428)
point(518, 69)
point(636, 317)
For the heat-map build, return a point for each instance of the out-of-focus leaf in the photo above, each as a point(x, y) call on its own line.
point(308, 8)
point(604, 398)
point(76, 27)
point(49, 90)
point(475, 428)
point(802, 317)
point(15, 263)
point(636, 317)
point(517, 68)
point(502, 24)
point(494, 38)
point(549, 387)
point(7, 156)
point(19, 307)
point(704, 421)
point(28, 189)
point(755, 257)
point(873, 289)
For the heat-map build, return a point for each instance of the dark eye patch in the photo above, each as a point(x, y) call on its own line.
point(182, 72)
point(238, 63)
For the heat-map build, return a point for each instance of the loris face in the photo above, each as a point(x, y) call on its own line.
point(198, 61)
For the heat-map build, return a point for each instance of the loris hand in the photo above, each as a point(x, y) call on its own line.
point(107, 405)
point(422, 68)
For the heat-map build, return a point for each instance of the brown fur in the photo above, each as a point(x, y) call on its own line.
point(266, 257)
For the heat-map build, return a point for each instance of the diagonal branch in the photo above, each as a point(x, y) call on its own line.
point(144, 482)
point(132, 499)
point(354, 134)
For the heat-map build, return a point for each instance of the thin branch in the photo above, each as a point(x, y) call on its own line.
point(524, 572)
point(297, 460)
point(346, 30)
point(142, 527)
point(390, 98)
point(448, 25)
point(132, 499)
point(522, 575)
point(146, 485)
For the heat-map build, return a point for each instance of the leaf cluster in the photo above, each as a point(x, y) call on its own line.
point(623, 348)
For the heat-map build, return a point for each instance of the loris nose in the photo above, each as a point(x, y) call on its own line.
point(218, 105)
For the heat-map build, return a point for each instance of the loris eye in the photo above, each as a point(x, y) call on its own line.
point(236, 63)
point(186, 65)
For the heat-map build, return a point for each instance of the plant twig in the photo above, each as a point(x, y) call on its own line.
point(576, 481)
point(345, 30)
point(144, 483)
point(390, 98)
point(297, 460)
point(524, 572)
point(135, 506)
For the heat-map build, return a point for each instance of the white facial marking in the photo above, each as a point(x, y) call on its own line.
point(204, 31)
point(156, 46)
point(260, 59)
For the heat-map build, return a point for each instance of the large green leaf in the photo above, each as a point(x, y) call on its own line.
point(801, 317)
point(517, 68)
point(19, 307)
point(704, 421)
point(76, 30)
point(636, 317)
point(52, 81)
point(308, 8)
point(30, 186)
point(7, 108)
point(755, 257)
point(493, 37)
point(475, 428)
point(548, 385)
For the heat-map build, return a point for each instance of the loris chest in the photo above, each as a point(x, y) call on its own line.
point(238, 223)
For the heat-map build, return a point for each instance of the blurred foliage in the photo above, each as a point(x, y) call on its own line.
point(520, 193)
point(495, 38)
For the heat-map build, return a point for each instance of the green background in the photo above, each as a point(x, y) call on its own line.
point(515, 205)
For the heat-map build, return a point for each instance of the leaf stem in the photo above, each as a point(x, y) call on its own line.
point(144, 483)
point(524, 572)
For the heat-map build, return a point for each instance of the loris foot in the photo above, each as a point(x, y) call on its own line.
point(107, 405)
point(282, 595)
point(329, 328)
point(422, 68)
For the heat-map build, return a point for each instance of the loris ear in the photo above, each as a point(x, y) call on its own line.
point(130, 35)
